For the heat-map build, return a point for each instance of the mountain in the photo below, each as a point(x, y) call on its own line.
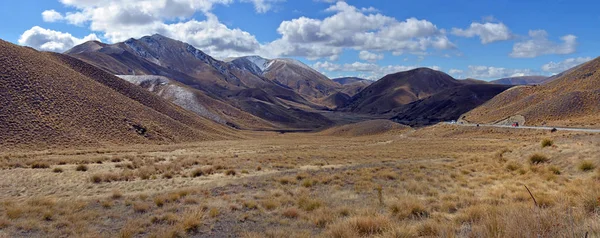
point(395, 90)
point(447, 105)
point(217, 86)
point(292, 74)
point(523, 80)
point(352, 85)
point(55, 100)
point(194, 100)
point(569, 100)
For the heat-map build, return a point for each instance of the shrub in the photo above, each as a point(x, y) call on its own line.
point(308, 204)
point(554, 170)
point(291, 212)
point(192, 221)
point(512, 166)
point(82, 168)
point(117, 195)
point(586, 166)
point(231, 172)
point(57, 170)
point(538, 159)
point(141, 207)
point(40, 165)
point(197, 172)
point(547, 143)
point(97, 178)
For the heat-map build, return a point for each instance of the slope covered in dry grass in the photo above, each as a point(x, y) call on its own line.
point(51, 100)
point(570, 100)
point(366, 128)
point(440, 181)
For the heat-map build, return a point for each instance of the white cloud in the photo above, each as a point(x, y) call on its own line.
point(353, 28)
point(368, 56)
point(347, 27)
point(488, 32)
point(119, 20)
point(262, 6)
point(456, 73)
point(365, 70)
point(564, 65)
point(52, 16)
point(488, 72)
point(49, 40)
point(538, 44)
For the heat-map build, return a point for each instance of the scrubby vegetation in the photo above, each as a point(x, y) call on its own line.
point(433, 182)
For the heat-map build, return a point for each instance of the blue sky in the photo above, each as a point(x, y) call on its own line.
point(478, 39)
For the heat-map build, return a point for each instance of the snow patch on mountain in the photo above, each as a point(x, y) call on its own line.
point(179, 95)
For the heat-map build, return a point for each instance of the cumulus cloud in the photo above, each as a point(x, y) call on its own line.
point(358, 29)
point(457, 73)
point(488, 32)
point(368, 56)
point(119, 20)
point(262, 6)
point(365, 70)
point(52, 16)
point(538, 44)
point(49, 40)
point(346, 27)
point(558, 67)
point(489, 72)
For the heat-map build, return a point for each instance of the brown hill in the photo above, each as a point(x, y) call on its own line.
point(447, 105)
point(302, 79)
point(352, 85)
point(398, 89)
point(214, 82)
point(366, 128)
point(570, 100)
point(55, 100)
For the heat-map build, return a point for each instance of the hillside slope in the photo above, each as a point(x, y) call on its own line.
point(398, 89)
point(55, 100)
point(447, 105)
point(570, 100)
point(217, 85)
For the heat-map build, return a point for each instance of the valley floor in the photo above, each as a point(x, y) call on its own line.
point(440, 181)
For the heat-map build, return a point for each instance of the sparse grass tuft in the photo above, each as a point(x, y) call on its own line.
point(547, 143)
point(141, 207)
point(555, 170)
point(586, 166)
point(538, 159)
point(40, 165)
point(231, 172)
point(192, 220)
point(81, 167)
point(57, 170)
point(291, 212)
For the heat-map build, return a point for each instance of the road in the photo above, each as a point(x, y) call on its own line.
point(534, 127)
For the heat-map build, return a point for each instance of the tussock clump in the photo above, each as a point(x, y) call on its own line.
point(360, 226)
point(57, 170)
point(538, 159)
point(81, 168)
point(40, 165)
point(586, 166)
point(547, 143)
point(291, 212)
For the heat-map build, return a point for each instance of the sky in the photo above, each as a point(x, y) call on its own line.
point(464, 38)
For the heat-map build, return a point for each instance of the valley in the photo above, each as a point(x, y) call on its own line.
point(444, 180)
point(152, 136)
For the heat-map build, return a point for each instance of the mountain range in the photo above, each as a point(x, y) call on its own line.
point(159, 90)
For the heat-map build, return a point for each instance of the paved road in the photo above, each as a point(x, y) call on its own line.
point(535, 127)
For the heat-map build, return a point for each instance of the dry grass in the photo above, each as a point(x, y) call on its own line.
point(440, 182)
